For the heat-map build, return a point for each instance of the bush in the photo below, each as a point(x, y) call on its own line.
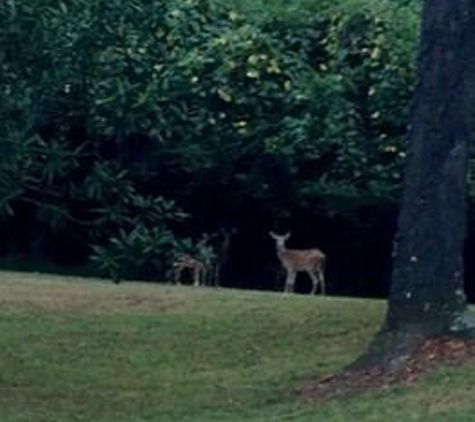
point(118, 114)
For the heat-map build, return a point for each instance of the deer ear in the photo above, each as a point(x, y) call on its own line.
point(286, 235)
point(273, 235)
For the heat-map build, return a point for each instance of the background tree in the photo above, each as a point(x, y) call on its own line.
point(119, 109)
point(256, 115)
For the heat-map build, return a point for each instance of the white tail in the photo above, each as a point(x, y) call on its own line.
point(311, 261)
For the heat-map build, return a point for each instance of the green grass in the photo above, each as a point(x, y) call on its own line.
point(85, 350)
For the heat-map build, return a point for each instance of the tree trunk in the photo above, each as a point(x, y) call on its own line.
point(428, 277)
point(427, 296)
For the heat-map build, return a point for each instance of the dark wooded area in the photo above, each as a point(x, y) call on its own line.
point(123, 145)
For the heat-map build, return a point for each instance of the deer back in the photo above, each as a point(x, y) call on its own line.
point(301, 260)
point(188, 261)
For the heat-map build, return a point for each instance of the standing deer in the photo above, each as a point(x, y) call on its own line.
point(188, 262)
point(311, 261)
point(222, 256)
point(199, 265)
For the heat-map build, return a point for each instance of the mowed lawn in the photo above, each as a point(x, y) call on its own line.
point(74, 349)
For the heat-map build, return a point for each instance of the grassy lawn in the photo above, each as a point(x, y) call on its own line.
point(73, 349)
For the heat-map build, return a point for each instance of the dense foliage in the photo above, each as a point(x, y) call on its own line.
point(130, 127)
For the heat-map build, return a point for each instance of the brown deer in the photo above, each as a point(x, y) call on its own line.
point(311, 261)
point(188, 262)
point(199, 265)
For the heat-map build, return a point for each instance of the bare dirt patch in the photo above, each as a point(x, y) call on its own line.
point(433, 352)
point(85, 304)
point(72, 295)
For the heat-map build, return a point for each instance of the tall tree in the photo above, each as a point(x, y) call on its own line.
point(427, 298)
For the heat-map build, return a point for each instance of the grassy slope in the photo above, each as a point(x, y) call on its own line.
point(72, 350)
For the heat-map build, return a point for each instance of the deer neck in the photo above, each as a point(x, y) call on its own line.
point(281, 249)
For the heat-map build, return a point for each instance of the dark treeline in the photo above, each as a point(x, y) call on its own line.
point(133, 129)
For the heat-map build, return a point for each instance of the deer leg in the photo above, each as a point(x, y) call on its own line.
point(177, 275)
point(216, 274)
point(321, 277)
point(290, 281)
point(196, 276)
point(315, 282)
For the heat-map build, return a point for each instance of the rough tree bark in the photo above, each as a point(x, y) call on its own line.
point(427, 296)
